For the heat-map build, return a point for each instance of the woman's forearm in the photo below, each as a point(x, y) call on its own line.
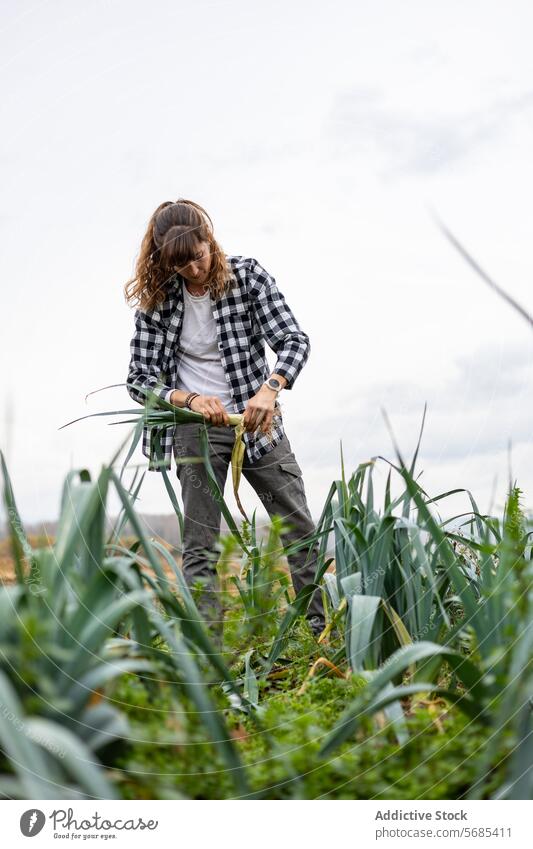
point(178, 397)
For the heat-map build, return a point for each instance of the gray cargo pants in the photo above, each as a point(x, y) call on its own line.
point(276, 478)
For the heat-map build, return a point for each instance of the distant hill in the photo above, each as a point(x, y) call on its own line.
point(164, 526)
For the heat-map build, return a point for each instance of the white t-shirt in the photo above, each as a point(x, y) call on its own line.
point(199, 365)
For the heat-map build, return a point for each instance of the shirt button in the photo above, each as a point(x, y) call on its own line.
point(220, 345)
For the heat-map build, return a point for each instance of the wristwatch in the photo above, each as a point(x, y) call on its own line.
point(273, 383)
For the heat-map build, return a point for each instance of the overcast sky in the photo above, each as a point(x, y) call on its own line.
point(318, 137)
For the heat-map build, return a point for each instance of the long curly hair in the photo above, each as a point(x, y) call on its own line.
point(171, 239)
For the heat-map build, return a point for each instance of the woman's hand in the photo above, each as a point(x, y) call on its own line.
point(211, 409)
point(260, 410)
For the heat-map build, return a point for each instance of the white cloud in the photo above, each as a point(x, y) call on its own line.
point(415, 143)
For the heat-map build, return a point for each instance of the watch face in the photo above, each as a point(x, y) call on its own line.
point(275, 384)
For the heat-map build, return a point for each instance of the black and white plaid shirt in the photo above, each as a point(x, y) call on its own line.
point(250, 312)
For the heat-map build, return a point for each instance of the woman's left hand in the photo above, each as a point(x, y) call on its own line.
point(260, 410)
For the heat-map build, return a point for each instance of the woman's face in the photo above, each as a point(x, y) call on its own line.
point(197, 271)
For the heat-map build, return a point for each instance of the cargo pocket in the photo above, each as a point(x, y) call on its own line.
point(291, 478)
point(292, 467)
point(294, 476)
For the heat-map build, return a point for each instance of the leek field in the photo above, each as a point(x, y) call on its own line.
point(420, 687)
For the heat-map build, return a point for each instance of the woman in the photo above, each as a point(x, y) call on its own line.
point(200, 327)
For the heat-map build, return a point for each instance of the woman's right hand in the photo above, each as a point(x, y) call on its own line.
point(211, 409)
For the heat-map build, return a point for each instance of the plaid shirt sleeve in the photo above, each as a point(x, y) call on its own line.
point(146, 349)
point(278, 325)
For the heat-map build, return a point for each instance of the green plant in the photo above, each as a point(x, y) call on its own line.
point(82, 613)
point(496, 605)
point(261, 582)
